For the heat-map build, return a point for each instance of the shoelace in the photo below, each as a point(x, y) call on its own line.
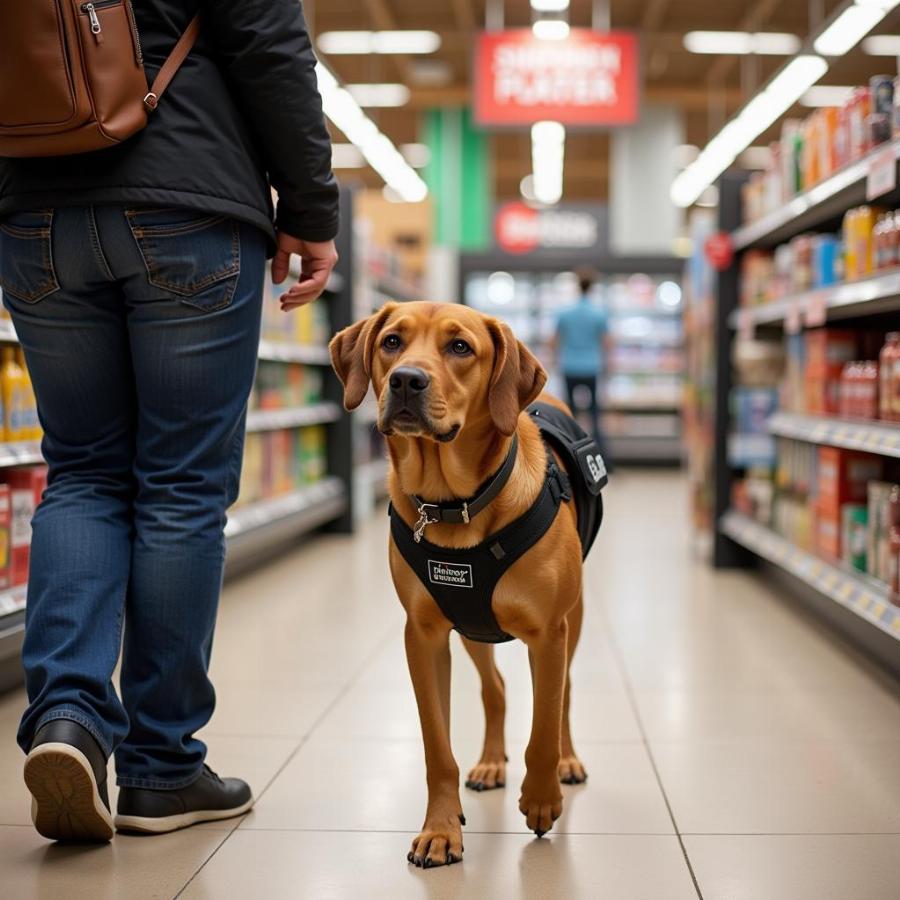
point(212, 774)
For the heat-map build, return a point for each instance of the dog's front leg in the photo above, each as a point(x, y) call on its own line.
point(541, 799)
point(428, 656)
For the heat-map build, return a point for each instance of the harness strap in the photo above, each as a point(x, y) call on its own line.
point(462, 580)
point(461, 512)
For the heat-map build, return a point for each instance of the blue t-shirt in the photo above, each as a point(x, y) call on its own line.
point(581, 329)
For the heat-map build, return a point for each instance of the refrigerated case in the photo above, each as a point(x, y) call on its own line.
point(642, 384)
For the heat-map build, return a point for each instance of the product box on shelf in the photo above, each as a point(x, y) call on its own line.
point(843, 476)
point(826, 350)
point(26, 486)
point(5, 549)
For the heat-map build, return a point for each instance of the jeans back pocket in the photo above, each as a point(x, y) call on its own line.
point(26, 256)
point(195, 256)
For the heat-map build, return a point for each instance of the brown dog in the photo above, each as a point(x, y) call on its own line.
point(452, 385)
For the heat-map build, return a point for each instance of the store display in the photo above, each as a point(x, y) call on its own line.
point(26, 486)
point(811, 150)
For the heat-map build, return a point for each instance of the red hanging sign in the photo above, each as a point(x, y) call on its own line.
point(589, 78)
point(719, 251)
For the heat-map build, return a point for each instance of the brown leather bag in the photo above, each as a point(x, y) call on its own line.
point(72, 76)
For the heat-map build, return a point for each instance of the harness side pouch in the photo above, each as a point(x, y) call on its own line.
point(583, 462)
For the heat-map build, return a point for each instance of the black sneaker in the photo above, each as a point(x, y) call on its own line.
point(207, 799)
point(66, 774)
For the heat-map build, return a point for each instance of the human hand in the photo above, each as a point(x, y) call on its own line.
point(318, 258)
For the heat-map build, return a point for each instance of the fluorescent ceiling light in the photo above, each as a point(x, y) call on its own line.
point(740, 43)
point(346, 156)
point(549, 5)
point(762, 111)
point(360, 130)
point(548, 143)
point(417, 155)
point(848, 29)
point(364, 42)
point(827, 95)
point(379, 94)
point(551, 29)
point(882, 45)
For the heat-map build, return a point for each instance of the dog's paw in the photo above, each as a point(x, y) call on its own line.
point(439, 844)
point(571, 771)
point(541, 807)
point(487, 775)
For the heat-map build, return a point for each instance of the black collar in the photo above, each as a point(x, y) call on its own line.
point(462, 512)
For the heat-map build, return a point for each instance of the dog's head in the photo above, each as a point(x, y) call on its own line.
point(436, 368)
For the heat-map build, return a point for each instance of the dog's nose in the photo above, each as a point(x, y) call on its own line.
point(408, 381)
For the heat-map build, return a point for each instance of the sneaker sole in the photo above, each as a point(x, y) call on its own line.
point(66, 804)
point(165, 824)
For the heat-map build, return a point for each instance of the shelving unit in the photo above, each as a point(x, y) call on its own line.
point(641, 390)
point(854, 591)
point(739, 540)
point(872, 437)
point(868, 296)
point(814, 208)
point(297, 417)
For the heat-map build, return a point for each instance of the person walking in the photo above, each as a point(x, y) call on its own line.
point(579, 343)
point(134, 277)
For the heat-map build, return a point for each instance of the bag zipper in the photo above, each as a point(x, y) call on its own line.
point(138, 50)
point(90, 9)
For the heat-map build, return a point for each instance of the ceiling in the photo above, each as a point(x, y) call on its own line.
point(707, 89)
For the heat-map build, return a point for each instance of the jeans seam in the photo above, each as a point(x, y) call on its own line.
point(95, 244)
point(74, 714)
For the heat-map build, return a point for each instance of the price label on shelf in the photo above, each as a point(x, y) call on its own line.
point(881, 177)
point(792, 322)
point(816, 310)
point(746, 324)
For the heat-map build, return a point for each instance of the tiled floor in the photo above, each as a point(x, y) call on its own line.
point(736, 751)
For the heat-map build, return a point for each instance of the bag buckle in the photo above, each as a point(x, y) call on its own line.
point(151, 101)
point(424, 521)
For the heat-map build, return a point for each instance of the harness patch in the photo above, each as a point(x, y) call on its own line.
point(450, 574)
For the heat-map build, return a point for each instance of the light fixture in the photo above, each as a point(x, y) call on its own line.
point(550, 29)
point(501, 288)
point(380, 95)
point(548, 143)
point(763, 110)
point(549, 5)
point(526, 188)
point(417, 155)
point(365, 42)
point(346, 156)
point(756, 158)
point(740, 43)
point(882, 45)
point(346, 114)
point(669, 294)
point(849, 28)
point(827, 95)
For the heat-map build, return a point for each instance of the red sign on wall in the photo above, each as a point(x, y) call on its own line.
point(589, 79)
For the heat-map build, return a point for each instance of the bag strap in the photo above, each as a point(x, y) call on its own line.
point(171, 66)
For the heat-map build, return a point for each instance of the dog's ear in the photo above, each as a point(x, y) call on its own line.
point(517, 378)
point(351, 355)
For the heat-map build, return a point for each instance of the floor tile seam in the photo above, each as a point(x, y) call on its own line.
point(328, 709)
point(629, 690)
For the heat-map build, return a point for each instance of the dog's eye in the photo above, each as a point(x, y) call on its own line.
point(391, 343)
point(460, 348)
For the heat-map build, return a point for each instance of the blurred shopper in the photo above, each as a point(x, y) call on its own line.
point(580, 337)
point(134, 276)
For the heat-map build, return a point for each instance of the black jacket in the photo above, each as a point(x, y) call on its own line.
point(243, 112)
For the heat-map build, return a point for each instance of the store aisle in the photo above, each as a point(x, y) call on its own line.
point(718, 725)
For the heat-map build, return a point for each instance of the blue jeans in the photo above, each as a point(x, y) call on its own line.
point(141, 332)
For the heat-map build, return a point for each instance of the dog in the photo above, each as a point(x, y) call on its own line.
point(452, 387)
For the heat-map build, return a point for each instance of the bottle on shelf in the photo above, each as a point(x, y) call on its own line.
point(31, 425)
point(889, 369)
point(12, 385)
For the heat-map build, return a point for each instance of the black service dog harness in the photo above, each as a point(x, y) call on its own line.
point(462, 580)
